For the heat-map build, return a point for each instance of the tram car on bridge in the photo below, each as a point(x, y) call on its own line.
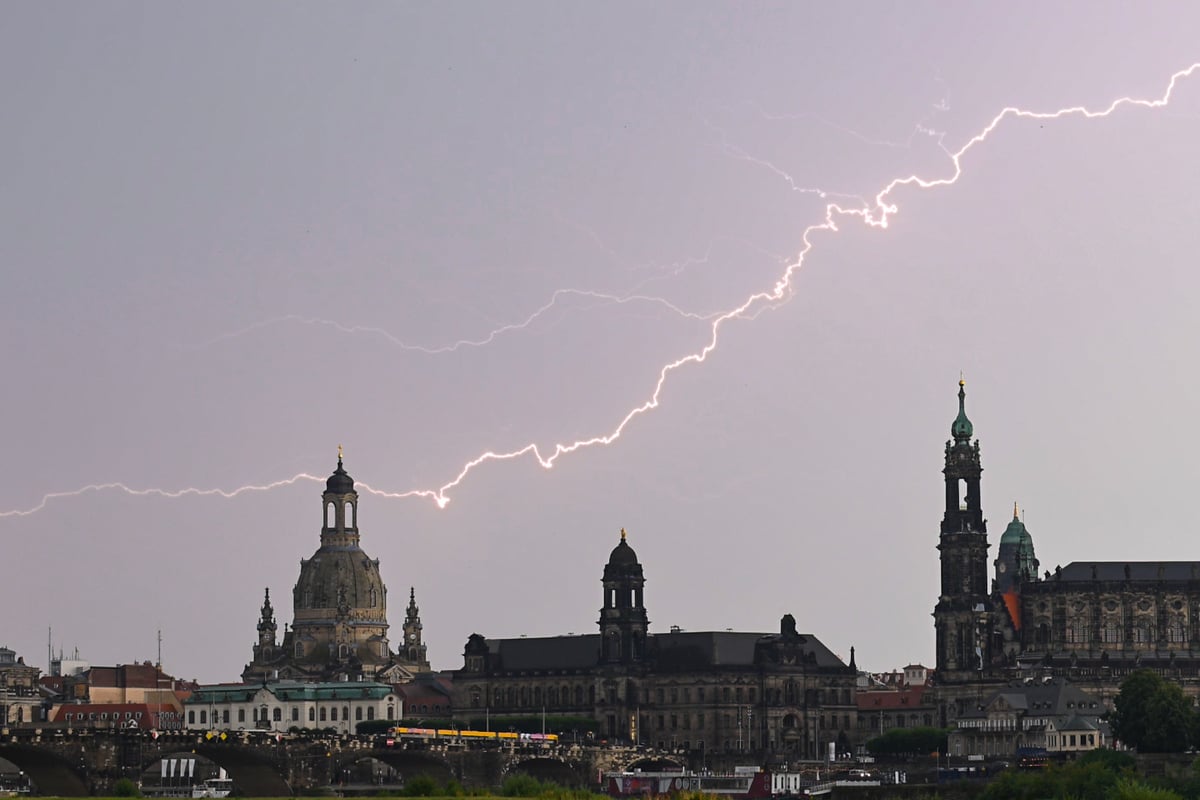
point(450, 735)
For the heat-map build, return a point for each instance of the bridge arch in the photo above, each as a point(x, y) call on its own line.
point(408, 763)
point(51, 773)
point(253, 772)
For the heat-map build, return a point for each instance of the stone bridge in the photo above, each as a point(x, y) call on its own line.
point(67, 763)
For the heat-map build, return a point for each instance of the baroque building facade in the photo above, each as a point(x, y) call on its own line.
point(1090, 622)
point(712, 691)
point(339, 627)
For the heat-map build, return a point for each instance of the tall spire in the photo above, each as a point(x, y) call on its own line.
point(962, 427)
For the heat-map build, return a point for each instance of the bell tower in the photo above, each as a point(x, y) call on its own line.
point(414, 648)
point(267, 628)
point(961, 617)
point(623, 620)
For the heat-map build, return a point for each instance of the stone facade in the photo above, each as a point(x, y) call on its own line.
point(283, 705)
point(20, 700)
point(718, 691)
point(339, 622)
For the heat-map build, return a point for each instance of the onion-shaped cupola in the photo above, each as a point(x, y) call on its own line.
point(962, 429)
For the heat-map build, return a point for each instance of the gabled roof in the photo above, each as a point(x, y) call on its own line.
point(1057, 699)
point(891, 700)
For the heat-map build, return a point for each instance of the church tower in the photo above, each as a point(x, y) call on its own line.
point(623, 620)
point(414, 648)
point(961, 615)
point(267, 628)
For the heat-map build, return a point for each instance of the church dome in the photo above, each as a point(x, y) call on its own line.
point(342, 579)
point(340, 481)
point(622, 555)
point(1016, 532)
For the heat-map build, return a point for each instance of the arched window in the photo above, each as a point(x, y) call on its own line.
point(191, 717)
point(333, 714)
point(277, 714)
point(391, 712)
point(350, 522)
point(342, 651)
point(322, 715)
point(203, 717)
point(358, 713)
point(295, 714)
point(346, 713)
point(312, 714)
point(330, 515)
point(578, 695)
point(370, 712)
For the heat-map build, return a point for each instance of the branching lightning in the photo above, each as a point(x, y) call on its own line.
point(875, 213)
point(483, 341)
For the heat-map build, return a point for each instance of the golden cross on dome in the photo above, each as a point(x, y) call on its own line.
point(339, 452)
point(622, 534)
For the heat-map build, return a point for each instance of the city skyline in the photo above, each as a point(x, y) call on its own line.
point(238, 239)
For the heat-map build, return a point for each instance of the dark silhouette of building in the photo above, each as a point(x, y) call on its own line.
point(1090, 622)
point(715, 691)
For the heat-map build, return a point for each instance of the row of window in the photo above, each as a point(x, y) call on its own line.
point(103, 716)
point(260, 714)
point(1111, 633)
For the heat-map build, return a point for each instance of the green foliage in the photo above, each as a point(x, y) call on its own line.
point(126, 788)
point(421, 786)
point(909, 741)
point(1152, 714)
point(1114, 760)
point(1129, 789)
point(521, 785)
point(454, 788)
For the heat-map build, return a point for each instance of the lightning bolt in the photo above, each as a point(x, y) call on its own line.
point(876, 214)
point(490, 337)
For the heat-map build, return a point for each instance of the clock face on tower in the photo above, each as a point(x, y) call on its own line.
point(1002, 567)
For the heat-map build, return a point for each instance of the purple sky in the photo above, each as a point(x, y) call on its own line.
point(233, 237)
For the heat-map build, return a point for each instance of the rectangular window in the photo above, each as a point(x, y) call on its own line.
point(225, 716)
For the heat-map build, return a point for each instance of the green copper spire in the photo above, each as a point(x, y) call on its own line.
point(962, 428)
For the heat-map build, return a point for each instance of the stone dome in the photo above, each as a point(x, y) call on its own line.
point(622, 555)
point(340, 481)
point(343, 580)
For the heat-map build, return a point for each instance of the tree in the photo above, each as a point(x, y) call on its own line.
point(1152, 714)
point(909, 741)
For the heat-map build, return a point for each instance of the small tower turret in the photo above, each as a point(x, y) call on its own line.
point(414, 648)
point(623, 620)
point(267, 628)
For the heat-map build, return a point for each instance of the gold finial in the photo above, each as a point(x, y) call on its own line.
point(1015, 516)
point(339, 454)
point(622, 534)
point(961, 380)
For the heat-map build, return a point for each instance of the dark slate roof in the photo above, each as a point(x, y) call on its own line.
point(546, 652)
point(1057, 699)
point(1138, 570)
point(670, 652)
